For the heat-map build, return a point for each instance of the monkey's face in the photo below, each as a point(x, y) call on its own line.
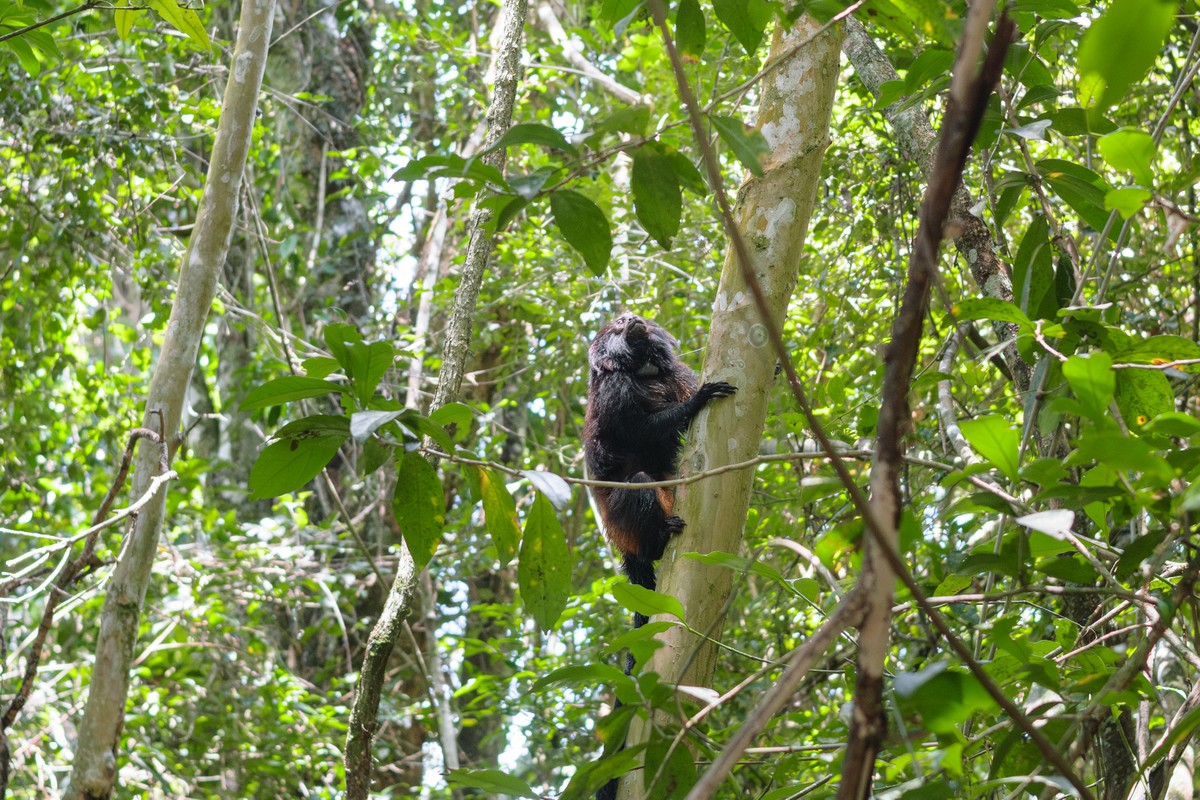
point(633, 345)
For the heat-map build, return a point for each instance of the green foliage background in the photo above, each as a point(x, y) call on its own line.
point(261, 602)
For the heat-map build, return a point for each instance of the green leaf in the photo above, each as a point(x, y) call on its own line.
point(1079, 187)
point(1142, 395)
point(320, 366)
point(1033, 272)
point(499, 514)
point(457, 417)
point(646, 601)
point(689, 28)
point(1130, 150)
point(534, 133)
point(944, 699)
point(1158, 350)
point(302, 450)
point(371, 361)
point(1174, 423)
point(422, 425)
point(544, 568)
point(745, 19)
point(990, 308)
point(657, 198)
point(124, 18)
point(584, 226)
point(286, 389)
point(1093, 381)
point(1118, 451)
point(419, 505)
point(492, 781)
point(584, 676)
point(29, 60)
point(747, 144)
point(996, 440)
point(183, 19)
point(1127, 201)
point(1120, 48)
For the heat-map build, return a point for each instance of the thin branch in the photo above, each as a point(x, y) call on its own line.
point(88, 6)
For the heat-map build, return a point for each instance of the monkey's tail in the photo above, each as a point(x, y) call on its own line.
point(640, 571)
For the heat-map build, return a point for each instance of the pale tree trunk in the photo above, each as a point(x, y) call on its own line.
point(95, 766)
point(365, 708)
point(773, 213)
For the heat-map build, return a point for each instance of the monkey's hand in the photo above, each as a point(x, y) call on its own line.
point(673, 525)
point(713, 390)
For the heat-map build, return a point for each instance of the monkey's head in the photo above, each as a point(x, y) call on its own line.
point(633, 345)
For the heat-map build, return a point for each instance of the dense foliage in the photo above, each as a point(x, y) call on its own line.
point(1048, 516)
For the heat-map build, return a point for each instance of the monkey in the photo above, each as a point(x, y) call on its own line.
point(641, 399)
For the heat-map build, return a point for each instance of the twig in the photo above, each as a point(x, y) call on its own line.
point(73, 568)
point(88, 6)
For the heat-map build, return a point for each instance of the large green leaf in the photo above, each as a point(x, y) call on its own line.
point(748, 145)
point(1132, 151)
point(657, 198)
point(492, 781)
point(419, 505)
point(745, 19)
point(584, 226)
point(302, 450)
point(1120, 47)
point(689, 28)
point(286, 389)
point(647, 601)
point(1033, 272)
point(995, 439)
point(1092, 380)
point(499, 514)
point(544, 570)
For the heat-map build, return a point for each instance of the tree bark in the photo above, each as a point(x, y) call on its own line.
point(95, 768)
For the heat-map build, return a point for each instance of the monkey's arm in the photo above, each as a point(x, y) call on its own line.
point(678, 416)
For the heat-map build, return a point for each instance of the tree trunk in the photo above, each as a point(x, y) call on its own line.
point(772, 213)
point(95, 768)
point(364, 710)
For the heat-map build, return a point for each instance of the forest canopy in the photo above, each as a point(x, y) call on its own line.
point(295, 311)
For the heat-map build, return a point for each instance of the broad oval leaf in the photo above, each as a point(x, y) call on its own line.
point(499, 514)
point(534, 133)
point(748, 145)
point(689, 28)
point(647, 601)
point(991, 308)
point(420, 506)
point(996, 440)
point(286, 389)
point(657, 198)
point(745, 19)
point(1093, 381)
point(1130, 150)
point(492, 781)
point(584, 226)
point(1120, 47)
point(544, 569)
point(364, 423)
point(303, 449)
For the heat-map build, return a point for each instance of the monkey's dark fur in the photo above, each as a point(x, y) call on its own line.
point(641, 399)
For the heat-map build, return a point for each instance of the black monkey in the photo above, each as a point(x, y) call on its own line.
point(641, 399)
